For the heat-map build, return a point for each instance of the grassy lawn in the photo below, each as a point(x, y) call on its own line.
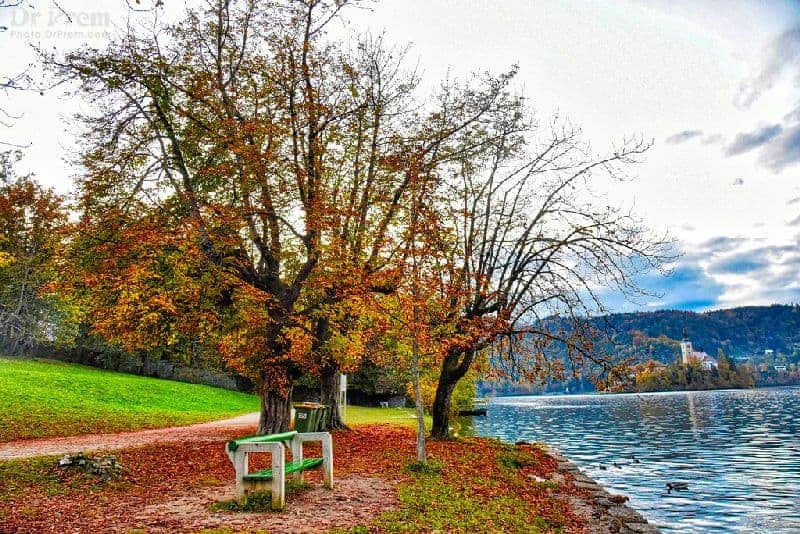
point(362, 415)
point(44, 398)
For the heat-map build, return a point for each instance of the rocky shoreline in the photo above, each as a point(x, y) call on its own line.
point(604, 511)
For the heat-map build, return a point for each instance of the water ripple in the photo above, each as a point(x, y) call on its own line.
point(738, 450)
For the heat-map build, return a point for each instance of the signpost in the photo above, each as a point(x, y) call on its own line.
point(343, 395)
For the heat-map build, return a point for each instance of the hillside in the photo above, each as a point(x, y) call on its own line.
point(740, 332)
point(637, 337)
point(44, 398)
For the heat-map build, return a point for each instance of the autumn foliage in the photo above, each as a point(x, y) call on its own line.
point(31, 219)
point(257, 187)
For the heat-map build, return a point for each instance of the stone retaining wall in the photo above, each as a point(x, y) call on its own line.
point(605, 512)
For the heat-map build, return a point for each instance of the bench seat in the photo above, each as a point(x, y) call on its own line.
point(271, 438)
point(291, 467)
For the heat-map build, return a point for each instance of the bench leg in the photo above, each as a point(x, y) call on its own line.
point(297, 456)
point(327, 461)
point(239, 460)
point(278, 480)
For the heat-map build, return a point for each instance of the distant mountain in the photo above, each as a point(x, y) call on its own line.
point(740, 332)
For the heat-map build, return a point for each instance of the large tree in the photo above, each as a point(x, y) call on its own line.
point(243, 174)
point(536, 240)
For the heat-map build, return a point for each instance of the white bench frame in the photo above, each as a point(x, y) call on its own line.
point(278, 451)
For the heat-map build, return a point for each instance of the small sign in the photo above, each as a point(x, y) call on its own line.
point(342, 383)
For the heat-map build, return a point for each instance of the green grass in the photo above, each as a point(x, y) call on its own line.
point(16, 476)
point(362, 415)
point(42, 398)
point(19, 477)
point(511, 458)
point(429, 503)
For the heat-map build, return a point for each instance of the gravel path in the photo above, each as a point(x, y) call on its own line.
point(94, 442)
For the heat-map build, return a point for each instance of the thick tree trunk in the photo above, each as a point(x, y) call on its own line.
point(453, 370)
point(276, 406)
point(328, 376)
point(441, 406)
point(329, 395)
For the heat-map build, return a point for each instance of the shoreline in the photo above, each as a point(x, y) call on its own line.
point(603, 511)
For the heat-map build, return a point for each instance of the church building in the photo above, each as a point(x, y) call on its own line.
point(688, 354)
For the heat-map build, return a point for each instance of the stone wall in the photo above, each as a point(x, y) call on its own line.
point(604, 511)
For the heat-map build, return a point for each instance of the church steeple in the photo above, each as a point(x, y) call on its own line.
point(687, 351)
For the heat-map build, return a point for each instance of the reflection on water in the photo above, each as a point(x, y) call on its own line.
point(738, 450)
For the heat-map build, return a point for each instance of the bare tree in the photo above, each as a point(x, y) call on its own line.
point(535, 241)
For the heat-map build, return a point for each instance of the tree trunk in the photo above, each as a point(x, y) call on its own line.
point(276, 406)
point(441, 406)
point(452, 372)
point(329, 396)
point(422, 456)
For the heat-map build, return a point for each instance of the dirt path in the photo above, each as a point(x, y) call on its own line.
point(355, 501)
point(94, 442)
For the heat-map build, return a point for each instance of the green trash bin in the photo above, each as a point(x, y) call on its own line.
point(308, 416)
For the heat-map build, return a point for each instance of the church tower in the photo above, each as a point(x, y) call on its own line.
point(687, 351)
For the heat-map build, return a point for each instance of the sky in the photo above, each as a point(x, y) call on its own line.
point(715, 85)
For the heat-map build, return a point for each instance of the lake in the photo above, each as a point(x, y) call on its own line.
point(738, 450)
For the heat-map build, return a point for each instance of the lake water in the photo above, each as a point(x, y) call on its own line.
point(738, 450)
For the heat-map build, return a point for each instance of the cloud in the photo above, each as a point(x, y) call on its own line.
point(764, 275)
point(704, 278)
point(779, 143)
point(712, 139)
point(783, 54)
point(744, 142)
point(721, 244)
point(682, 137)
point(689, 287)
point(783, 151)
point(741, 263)
point(792, 116)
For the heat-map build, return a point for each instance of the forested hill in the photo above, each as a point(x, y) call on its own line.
point(739, 332)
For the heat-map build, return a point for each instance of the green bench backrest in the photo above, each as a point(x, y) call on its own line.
point(270, 438)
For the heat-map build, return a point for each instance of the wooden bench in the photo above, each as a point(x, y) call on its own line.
point(274, 479)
